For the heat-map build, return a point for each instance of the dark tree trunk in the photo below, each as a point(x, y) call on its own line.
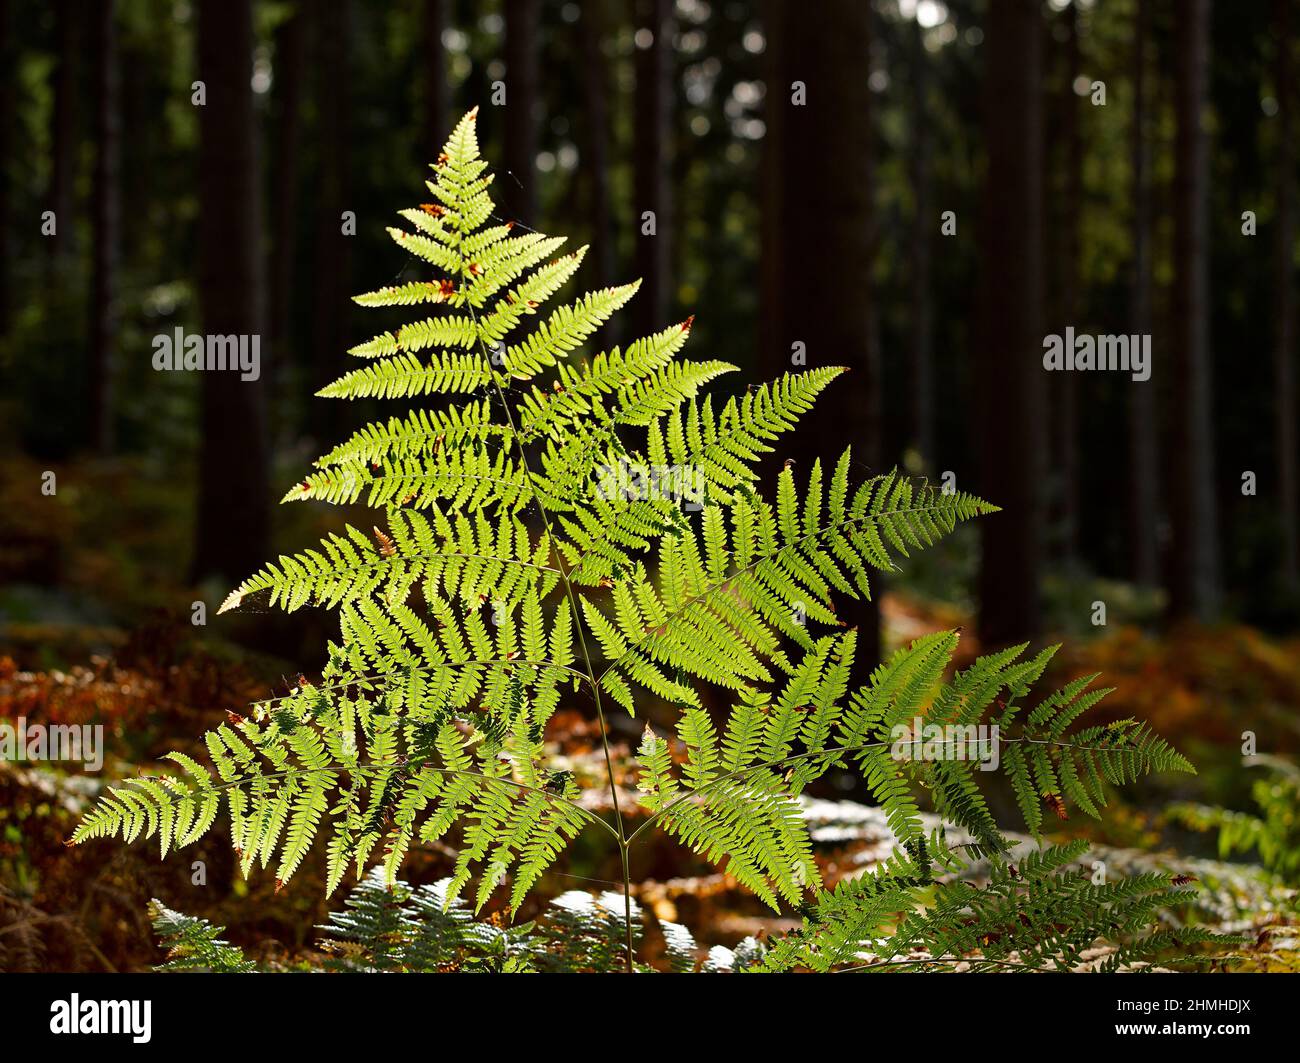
point(1143, 408)
point(1009, 368)
point(774, 350)
point(290, 56)
point(596, 95)
point(107, 226)
point(521, 109)
point(818, 179)
point(433, 63)
point(333, 282)
point(1071, 303)
point(233, 518)
point(921, 369)
point(1284, 303)
point(6, 151)
point(652, 158)
point(63, 133)
point(1194, 588)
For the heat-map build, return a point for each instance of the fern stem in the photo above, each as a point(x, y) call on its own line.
point(623, 845)
point(578, 624)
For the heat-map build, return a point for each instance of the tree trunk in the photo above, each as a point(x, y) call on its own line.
point(1071, 302)
point(333, 283)
point(1194, 589)
point(233, 518)
point(818, 180)
point(652, 160)
point(521, 109)
point(596, 75)
point(433, 61)
point(290, 48)
point(1010, 392)
point(6, 152)
point(921, 370)
point(1143, 408)
point(1284, 302)
point(63, 133)
point(107, 226)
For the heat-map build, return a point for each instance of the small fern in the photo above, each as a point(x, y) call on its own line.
point(194, 944)
point(1273, 835)
point(1044, 914)
point(395, 927)
point(527, 551)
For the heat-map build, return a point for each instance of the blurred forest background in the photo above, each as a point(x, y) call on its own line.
point(959, 179)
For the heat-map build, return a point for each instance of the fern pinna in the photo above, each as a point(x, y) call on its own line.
point(528, 550)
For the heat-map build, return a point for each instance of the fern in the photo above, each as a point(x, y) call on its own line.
point(735, 795)
point(525, 547)
point(395, 927)
point(1274, 834)
point(1043, 914)
point(194, 944)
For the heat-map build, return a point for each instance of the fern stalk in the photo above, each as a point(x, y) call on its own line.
point(576, 613)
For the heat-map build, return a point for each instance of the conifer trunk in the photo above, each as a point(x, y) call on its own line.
point(596, 95)
point(1194, 587)
point(652, 160)
point(233, 518)
point(1009, 374)
point(921, 369)
point(6, 149)
point(63, 128)
point(290, 48)
point(433, 67)
point(819, 244)
point(106, 224)
point(333, 303)
point(1284, 302)
point(521, 109)
point(1071, 301)
point(1143, 408)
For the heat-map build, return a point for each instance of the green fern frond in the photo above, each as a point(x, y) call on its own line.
point(194, 944)
point(421, 432)
point(726, 595)
point(286, 783)
point(775, 745)
point(725, 448)
point(470, 476)
point(467, 560)
point(1045, 913)
point(510, 563)
point(407, 376)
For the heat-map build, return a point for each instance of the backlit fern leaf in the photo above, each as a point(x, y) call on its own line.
point(555, 519)
point(194, 944)
point(727, 594)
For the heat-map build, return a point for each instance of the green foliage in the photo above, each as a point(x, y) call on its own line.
point(529, 547)
point(194, 944)
point(735, 795)
point(1274, 834)
point(400, 928)
point(1044, 913)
